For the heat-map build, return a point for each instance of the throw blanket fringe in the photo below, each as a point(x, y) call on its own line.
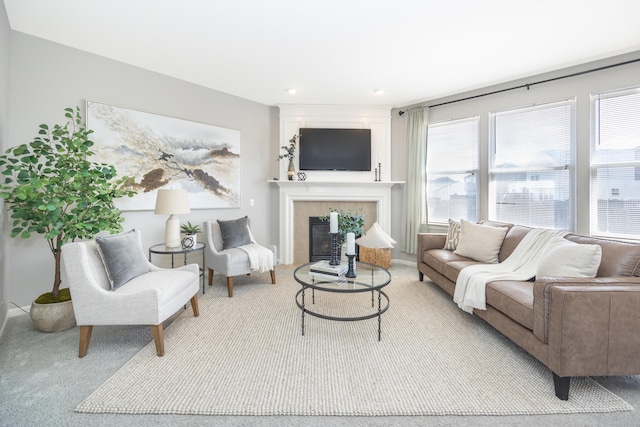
point(470, 291)
point(261, 258)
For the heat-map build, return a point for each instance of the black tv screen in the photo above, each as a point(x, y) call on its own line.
point(335, 149)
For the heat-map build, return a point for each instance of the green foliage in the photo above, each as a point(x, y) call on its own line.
point(53, 189)
point(290, 149)
point(348, 222)
point(189, 228)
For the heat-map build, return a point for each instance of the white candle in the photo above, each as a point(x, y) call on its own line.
point(333, 222)
point(351, 244)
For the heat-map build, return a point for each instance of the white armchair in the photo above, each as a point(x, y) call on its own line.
point(230, 262)
point(147, 299)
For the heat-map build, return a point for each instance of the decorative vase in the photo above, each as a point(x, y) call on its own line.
point(190, 241)
point(53, 317)
point(291, 171)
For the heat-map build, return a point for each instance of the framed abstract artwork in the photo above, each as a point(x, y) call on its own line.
point(165, 152)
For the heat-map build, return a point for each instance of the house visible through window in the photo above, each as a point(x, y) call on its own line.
point(452, 170)
point(615, 163)
point(531, 172)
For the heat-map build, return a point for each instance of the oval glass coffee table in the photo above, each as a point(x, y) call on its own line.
point(370, 278)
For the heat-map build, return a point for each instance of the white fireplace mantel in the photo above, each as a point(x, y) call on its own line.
point(296, 191)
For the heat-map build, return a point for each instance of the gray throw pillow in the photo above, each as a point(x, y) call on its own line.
point(123, 257)
point(235, 232)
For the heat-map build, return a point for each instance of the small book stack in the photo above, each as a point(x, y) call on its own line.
point(325, 270)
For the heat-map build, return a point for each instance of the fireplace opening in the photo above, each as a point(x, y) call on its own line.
point(319, 239)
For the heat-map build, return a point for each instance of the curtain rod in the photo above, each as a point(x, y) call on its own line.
point(528, 85)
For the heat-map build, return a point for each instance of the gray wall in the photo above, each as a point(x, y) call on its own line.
point(580, 87)
point(47, 77)
point(4, 131)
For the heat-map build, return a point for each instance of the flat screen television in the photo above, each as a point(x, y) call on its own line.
point(324, 149)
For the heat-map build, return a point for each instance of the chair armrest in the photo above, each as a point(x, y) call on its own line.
point(590, 324)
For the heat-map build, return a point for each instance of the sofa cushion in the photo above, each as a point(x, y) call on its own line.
point(480, 242)
point(567, 259)
point(513, 299)
point(619, 259)
point(453, 235)
point(513, 238)
point(438, 258)
point(452, 269)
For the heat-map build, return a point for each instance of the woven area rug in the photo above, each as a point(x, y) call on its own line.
point(246, 356)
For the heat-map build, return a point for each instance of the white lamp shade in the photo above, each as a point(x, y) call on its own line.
point(172, 201)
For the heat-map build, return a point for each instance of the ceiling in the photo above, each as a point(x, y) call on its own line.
point(338, 51)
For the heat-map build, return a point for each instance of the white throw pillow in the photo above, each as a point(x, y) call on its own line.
point(564, 258)
point(453, 235)
point(480, 242)
point(375, 237)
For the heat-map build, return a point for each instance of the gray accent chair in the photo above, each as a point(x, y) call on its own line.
point(230, 262)
point(148, 299)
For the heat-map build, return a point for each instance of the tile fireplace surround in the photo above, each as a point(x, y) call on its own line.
point(314, 199)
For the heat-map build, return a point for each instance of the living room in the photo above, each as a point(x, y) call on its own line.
point(39, 78)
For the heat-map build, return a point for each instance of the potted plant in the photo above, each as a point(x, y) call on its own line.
point(191, 234)
point(53, 189)
point(290, 154)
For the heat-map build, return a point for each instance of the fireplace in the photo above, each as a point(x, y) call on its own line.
point(319, 239)
point(301, 199)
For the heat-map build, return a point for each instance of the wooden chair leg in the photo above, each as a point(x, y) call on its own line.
point(273, 276)
point(194, 306)
point(85, 337)
point(158, 338)
point(210, 277)
point(230, 286)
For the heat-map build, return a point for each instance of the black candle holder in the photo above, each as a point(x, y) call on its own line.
point(334, 249)
point(351, 272)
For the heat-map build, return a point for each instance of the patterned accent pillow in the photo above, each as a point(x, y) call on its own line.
point(453, 235)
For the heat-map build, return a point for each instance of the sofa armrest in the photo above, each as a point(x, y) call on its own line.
point(590, 324)
point(428, 241)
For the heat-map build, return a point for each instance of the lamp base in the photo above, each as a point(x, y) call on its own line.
point(172, 232)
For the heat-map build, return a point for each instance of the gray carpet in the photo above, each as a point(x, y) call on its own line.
point(42, 381)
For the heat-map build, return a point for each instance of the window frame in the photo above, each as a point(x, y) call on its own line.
point(476, 172)
point(493, 172)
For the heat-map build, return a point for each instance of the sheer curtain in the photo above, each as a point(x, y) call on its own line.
point(415, 187)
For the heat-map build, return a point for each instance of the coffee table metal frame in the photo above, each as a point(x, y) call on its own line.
point(371, 278)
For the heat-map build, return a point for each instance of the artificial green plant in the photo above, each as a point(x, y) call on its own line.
point(52, 188)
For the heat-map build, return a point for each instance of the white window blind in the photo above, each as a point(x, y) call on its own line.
point(615, 164)
point(452, 170)
point(532, 165)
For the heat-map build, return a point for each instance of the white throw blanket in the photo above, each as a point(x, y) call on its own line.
point(260, 258)
point(522, 264)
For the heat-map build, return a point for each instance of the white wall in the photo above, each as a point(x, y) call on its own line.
point(47, 77)
point(580, 87)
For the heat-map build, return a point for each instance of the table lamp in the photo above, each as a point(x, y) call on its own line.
point(172, 202)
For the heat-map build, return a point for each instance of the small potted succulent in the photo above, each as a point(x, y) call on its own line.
point(190, 232)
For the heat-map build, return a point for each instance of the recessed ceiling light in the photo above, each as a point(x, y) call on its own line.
point(379, 91)
point(292, 91)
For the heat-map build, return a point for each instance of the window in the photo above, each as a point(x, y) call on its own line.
point(615, 163)
point(531, 173)
point(452, 170)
